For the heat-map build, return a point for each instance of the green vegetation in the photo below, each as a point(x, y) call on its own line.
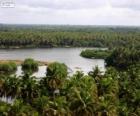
point(120, 58)
point(29, 65)
point(56, 74)
point(21, 36)
point(114, 93)
point(123, 58)
point(10, 67)
point(97, 54)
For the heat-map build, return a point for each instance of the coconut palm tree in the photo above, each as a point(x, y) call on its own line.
point(29, 88)
point(19, 108)
point(82, 95)
point(82, 105)
point(48, 107)
point(9, 87)
point(12, 86)
point(56, 75)
point(57, 107)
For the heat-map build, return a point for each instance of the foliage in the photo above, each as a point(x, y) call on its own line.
point(113, 93)
point(8, 68)
point(57, 70)
point(97, 54)
point(123, 58)
point(18, 36)
point(4, 108)
point(56, 76)
point(29, 65)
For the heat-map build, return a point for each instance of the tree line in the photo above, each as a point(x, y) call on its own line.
point(16, 36)
point(120, 58)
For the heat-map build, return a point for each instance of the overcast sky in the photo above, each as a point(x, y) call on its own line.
point(75, 12)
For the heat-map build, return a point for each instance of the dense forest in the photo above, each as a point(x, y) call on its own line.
point(113, 93)
point(17, 36)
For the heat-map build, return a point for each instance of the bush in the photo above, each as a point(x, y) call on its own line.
point(29, 65)
point(6, 68)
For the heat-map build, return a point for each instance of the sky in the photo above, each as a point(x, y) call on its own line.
point(71, 12)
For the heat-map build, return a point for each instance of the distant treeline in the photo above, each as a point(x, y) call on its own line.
point(12, 36)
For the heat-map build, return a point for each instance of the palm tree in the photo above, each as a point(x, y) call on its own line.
point(12, 86)
point(29, 88)
point(56, 75)
point(82, 105)
point(82, 95)
point(20, 109)
point(40, 104)
point(46, 107)
point(109, 87)
point(57, 107)
point(107, 106)
point(96, 72)
point(9, 87)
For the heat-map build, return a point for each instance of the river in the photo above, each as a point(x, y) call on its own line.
point(69, 56)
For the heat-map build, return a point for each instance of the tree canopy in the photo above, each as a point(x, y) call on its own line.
point(114, 93)
point(23, 36)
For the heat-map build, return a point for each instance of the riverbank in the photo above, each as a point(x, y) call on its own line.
point(19, 62)
point(32, 47)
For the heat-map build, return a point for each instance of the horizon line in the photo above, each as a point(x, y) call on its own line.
point(35, 24)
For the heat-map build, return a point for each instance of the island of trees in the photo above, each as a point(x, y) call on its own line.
point(113, 93)
point(95, 54)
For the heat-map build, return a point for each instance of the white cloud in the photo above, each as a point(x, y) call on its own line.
point(85, 12)
point(64, 4)
point(131, 4)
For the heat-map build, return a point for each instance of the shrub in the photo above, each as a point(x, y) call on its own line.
point(6, 68)
point(29, 65)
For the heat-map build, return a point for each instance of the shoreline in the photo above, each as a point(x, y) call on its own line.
point(19, 62)
point(8, 48)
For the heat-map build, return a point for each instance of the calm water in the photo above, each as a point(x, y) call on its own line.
point(69, 56)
